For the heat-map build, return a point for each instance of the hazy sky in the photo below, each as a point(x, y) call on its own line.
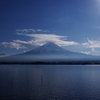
point(72, 24)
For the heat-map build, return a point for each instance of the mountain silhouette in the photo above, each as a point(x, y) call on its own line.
point(48, 48)
point(49, 52)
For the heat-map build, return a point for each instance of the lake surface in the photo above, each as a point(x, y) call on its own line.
point(50, 82)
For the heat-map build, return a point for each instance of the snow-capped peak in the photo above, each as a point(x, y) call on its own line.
point(49, 46)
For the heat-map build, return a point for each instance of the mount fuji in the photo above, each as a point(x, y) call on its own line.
point(47, 49)
point(48, 52)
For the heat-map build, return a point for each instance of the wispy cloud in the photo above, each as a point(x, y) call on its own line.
point(43, 38)
point(93, 50)
point(13, 44)
point(85, 52)
point(18, 44)
point(20, 31)
point(37, 40)
point(92, 44)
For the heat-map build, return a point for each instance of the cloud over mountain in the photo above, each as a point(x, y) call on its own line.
point(37, 39)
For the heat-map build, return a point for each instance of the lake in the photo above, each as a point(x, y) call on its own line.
point(50, 82)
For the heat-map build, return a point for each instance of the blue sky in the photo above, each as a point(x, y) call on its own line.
point(27, 24)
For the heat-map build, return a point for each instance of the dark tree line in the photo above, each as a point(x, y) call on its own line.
point(54, 63)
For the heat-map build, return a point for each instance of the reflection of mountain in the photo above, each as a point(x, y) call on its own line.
point(48, 52)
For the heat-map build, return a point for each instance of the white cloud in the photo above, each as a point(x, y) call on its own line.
point(85, 52)
point(13, 45)
point(92, 44)
point(31, 30)
point(93, 50)
point(21, 31)
point(38, 30)
point(37, 40)
point(43, 38)
point(18, 44)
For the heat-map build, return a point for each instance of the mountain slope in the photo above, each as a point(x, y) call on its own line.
point(48, 52)
point(52, 49)
point(48, 48)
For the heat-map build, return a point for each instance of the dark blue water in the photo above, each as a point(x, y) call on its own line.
point(49, 82)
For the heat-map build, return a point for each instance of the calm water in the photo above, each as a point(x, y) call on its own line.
point(49, 82)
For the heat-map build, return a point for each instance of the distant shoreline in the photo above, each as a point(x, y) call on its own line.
point(52, 63)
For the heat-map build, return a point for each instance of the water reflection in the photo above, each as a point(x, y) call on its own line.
point(48, 82)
